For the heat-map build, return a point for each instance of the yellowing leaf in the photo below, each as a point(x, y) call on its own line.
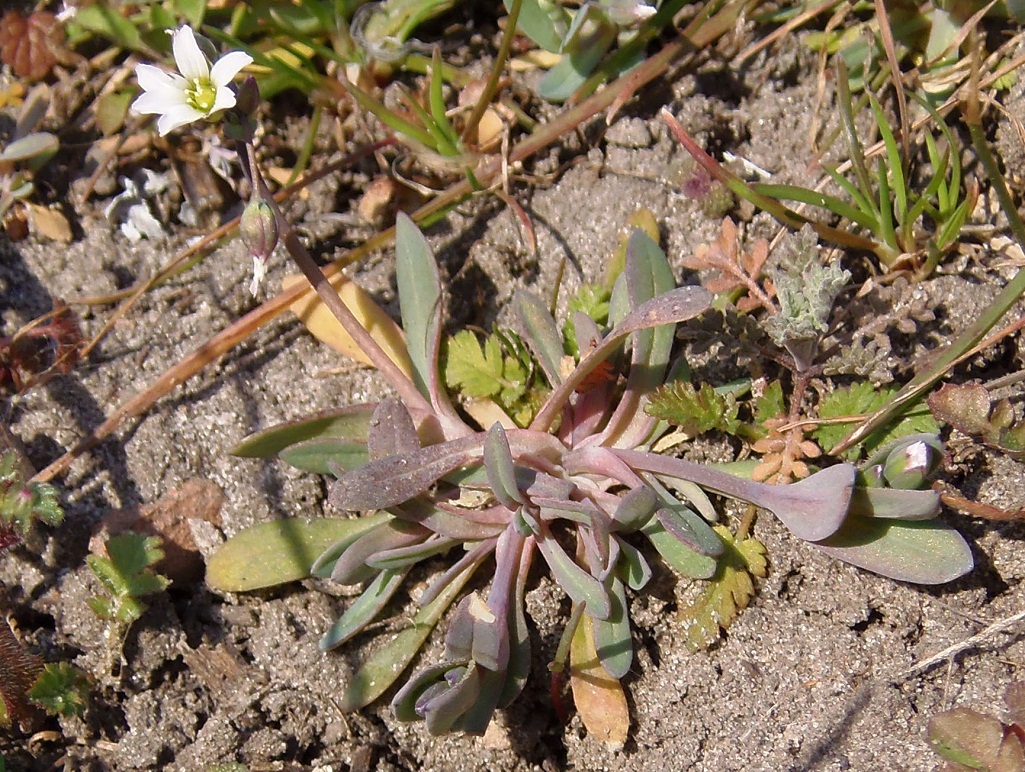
point(322, 323)
point(599, 697)
point(729, 590)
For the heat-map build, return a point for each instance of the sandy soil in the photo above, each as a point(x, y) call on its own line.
point(816, 675)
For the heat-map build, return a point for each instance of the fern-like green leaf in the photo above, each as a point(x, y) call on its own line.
point(475, 370)
point(729, 590)
point(60, 690)
point(502, 370)
point(126, 576)
point(696, 411)
point(863, 399)
point(770, 404)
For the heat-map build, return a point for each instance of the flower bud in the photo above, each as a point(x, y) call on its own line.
point(247, 100)
point(909, 464)
point(259, 231)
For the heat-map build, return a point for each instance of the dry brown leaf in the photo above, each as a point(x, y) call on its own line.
point(49, 223)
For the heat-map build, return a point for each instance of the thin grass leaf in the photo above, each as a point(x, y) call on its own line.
point(814, 198)
point(893, 158)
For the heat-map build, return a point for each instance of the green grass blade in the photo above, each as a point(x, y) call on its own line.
point(893, 157)
point(821, 200)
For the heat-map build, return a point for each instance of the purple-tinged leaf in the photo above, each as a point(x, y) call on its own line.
point(587, 332)
point(498, 462)
point(574, 580)
point(633, 567)
point(812, 509)
point(391, 431)
point(895, 503)
point(582, 512)
point(385, 664)
point(635, 509)
point(544, 485)
point(393, 480)
point(454, 522)
point(325, 562)
point(922, 552)
point(681, 559)
point(439, 695)
point(325, 455)
point(525, 523)
point(401, 557)
point(473, 557)
point(541, 334)
point(416, 687)
point(612, 639)
point(519, 635)
point(351, 567)
point(364, 610)
point(670, 308)
point(346, 423)
point(690, 530)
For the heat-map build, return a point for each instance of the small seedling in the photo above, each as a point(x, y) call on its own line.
point(126, 576)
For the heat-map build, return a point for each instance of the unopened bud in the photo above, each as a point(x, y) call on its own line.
point(248, 97)
point(259, 231)
point(908, 466)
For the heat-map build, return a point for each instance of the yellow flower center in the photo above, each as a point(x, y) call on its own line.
point(201, 94)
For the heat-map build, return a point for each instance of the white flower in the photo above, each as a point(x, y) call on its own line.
point(200, 90)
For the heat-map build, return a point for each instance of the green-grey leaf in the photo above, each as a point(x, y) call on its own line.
point(923, 552)
point(365, 609)
point(325, 455)
point(612, 640)
point(895, 503)
point(419, 283)
point(574, 580)
point(541, 334)
point(345, 423)
point(633, 567)
point(279, 551)
point(380, 670)
point(681, 559)
point(498, 462)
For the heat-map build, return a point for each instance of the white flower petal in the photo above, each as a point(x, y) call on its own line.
point(228, 66)
point(225, 98)
point(177, 115)
point(151, 78)
point(190, 60)
point(158, 100)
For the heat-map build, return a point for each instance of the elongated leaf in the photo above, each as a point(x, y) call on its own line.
point(346, 423)
point(400, 557)
point(541, 334)
point(612, 636)
point(395, 479)
point(923, 552)
point(419, 283)
point(498, 462)
point(895, 503)
point(812, 509)
point(279, 551)
point(380, 670)
point(670, 308)
point(635, 509)
point(690, 530)
point(325, 455)
point(598, 695)
point(543, 21)
point(519, 634)
point(681, 559)
point(351, 566)
point(574, 580)
point(365, 609)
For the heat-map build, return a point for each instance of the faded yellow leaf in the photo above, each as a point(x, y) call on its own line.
point(322, 323)
point(599, 697)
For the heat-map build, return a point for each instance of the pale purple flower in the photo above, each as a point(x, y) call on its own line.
point(198, 92)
